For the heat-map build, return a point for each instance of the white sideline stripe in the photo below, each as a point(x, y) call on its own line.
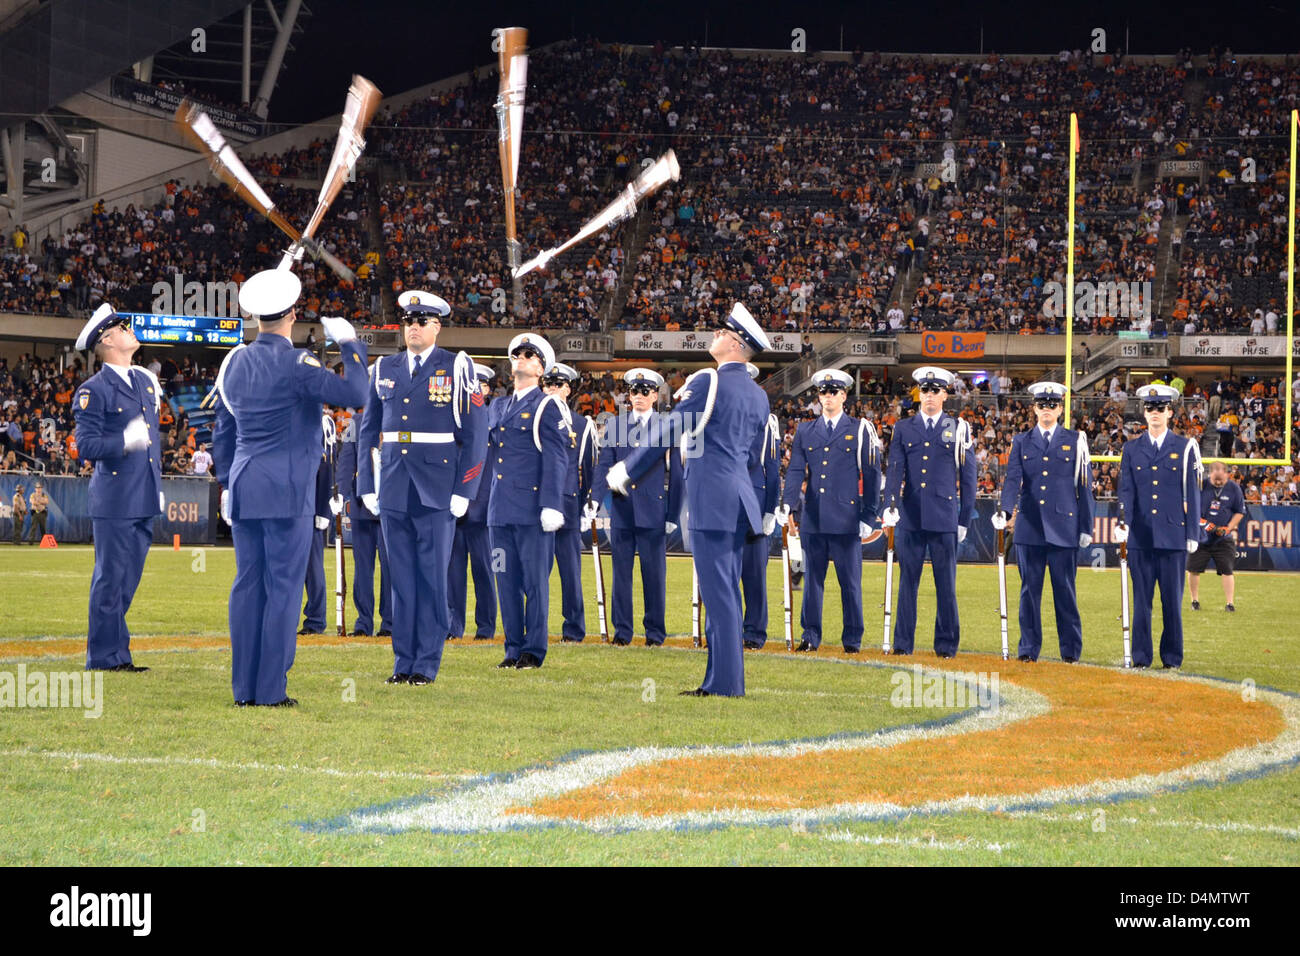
point(844, 836)
point(214, 764)
point(1227, 827)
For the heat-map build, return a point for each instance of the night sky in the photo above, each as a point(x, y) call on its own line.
point(399, 45)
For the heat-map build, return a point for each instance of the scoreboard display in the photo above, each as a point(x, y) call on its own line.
point(152, 329)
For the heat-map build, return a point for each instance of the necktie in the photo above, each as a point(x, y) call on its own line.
point(415, 368)
point(1047, 438)
point(929, 426)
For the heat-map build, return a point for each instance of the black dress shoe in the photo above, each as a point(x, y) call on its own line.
point(307, 630)
point(698, 692)
point(650, 643)
point(894, 651)
point(482, 637)
point(528, 661)
point(399, 679)
point(384, 632)
point(945, 654)
point(852, 650)
point(360, 634)
point(620, 642)
point(1025, 659)
point(244, 703)
point(129, 668)
point(510, 662)
point(1141, 667)
point(1069, 660)
point(570, 640)
point(1171, 667)
point(753, 646)
point(419, 680)
point(804, 646)
point(287, 702)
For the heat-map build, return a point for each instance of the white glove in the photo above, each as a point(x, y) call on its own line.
point(225, 505)
point(162, 501)
point(1191, 546)
point(584, 523)
point(864, 529)
point(322, 523)
point(618, 479)
point(669, 527)
point(1085, 540)
point(340, 330)
point(459, 505)
point(1120, 534)
point(552, 520)
point(769, 523)
point(961, 534)
point(371, 501)
point(589, 512)
point(889, 518)
point(782, 515)
point(336, 505)
point(999, 521)
point(136, 435)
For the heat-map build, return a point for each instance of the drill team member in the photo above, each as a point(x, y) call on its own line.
point(117, 429)
point(367, 543)
point(765, 476)
point(426, 407)
point(314, 610)
point(930, 490)
point(1160, 509)
point(1223, 507)
point(528, 454)
point(641, 520)
point(560, 381)
point(838, 457)
point(266, 448)
point(472, 542)
point(726, 412)
point(1047, 494)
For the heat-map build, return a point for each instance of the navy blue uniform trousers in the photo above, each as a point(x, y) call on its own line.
point(121, 546)
point(846, 551)
point(471, 541)
point(910, 547)
point(1062, 563)
point(1148, 568)
point(367, 541)
point(649, 543)
point(568, 558)
point(717, 557)
point(271, 563)
point(523, 586)
point(753, 581)
point(418, 542)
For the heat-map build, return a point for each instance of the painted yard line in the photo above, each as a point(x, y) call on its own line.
point(844, 836)
point(1226, 827)
point(213, 764)
point(484, 805)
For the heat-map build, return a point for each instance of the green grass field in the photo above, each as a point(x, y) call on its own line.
point(172, 773)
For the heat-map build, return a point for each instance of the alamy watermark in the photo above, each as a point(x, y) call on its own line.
point(79, 690)
point(1121, 300)
point(955, 689)
point(666, 430)
point(217, 299)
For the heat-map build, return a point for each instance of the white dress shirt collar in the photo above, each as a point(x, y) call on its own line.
point(424, 357)
point(521, 393)
point(122, 370)
point(832, 422)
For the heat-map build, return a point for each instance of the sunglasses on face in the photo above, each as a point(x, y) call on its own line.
point(643, 389)
point(554, 381)
point(828, 389)
point(1160, 407)
point(1047, 403)
point(120, 324)
point(526, 351)
point(931, 389)
point(420, 318)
